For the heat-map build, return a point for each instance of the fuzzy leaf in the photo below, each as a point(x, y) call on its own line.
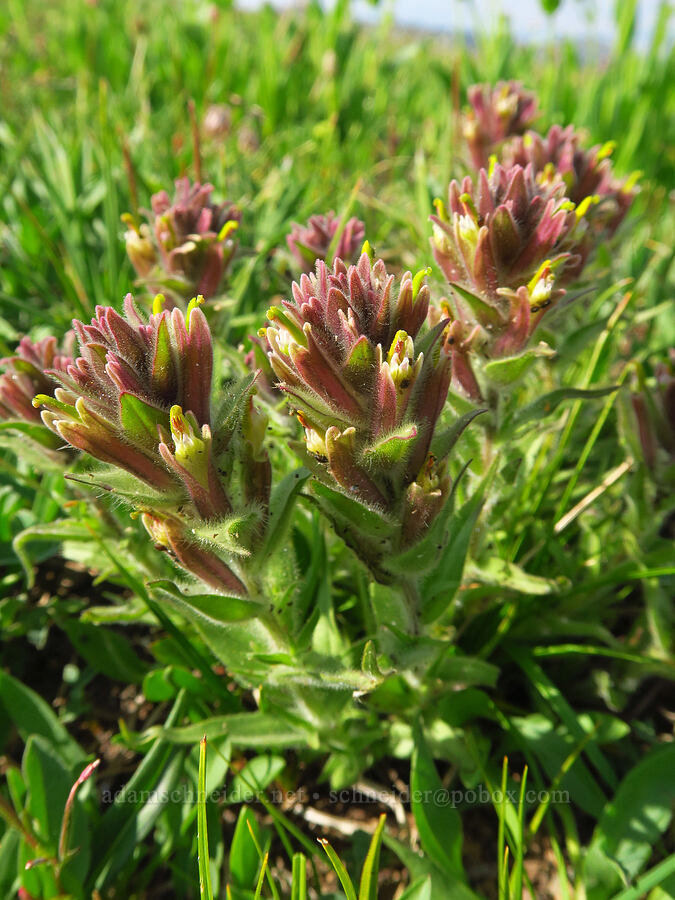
point(441, 585)
point(444, 441)
point(506, 371)
point(439, 826)
point(281, 506)
point(392, 448)
point(228, 533)
point(140, 420)
point(214, 607)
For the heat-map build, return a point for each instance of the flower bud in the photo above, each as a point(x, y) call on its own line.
point(600, 198)
point(505, 245)
point(168, 534)
point(368, 388)
point(311, 242)
point(187, 246)
point(496, 114)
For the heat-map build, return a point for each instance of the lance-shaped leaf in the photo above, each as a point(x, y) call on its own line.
point(392, 448)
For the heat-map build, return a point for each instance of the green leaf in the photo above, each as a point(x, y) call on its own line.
point(140, 820)
point(508, 370)
point(484, 311)
point(369, 661)
point(233, 407)
point(281, 506)
point(248, 730)
point(244, 859)
point(546, 404)
point(439, 824)
point(106, 651)
point(361, 360)
point(114, 838)
point(229, 534)
point(370, 871)
point(445, 440)
point(340, 870)
point(421, 867)
point(371, 523)
point(140, 420)
point(509, 576)
point(423, 555)
point(48, 780)
point(419, 889)
point(467, 670)
point(632, 823)
point(205, 890)
point(212, 607)
point(32, 716)
point(442, 583)
point(53, 532)
point(299, 877)
point(392, 448)
point(256, 775)
point(230, 631)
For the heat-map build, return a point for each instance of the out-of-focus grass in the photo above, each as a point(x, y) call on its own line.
point(316, 106)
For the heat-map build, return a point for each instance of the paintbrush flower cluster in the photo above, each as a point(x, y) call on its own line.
point(495, 114)
point(187, 243)
point(138, 398)
point(366, 386)
point(312, 242)
point(516, 233)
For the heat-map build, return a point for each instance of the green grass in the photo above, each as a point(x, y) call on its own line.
point(561, 635)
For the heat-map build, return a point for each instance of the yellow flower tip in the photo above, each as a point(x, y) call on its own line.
point(585, 205)
point(368, 250)
point(631, 181)
point(543, 271)
point(158, 304)
point(419, 279)
point(178, 422)
point(227, 229)
point(492, 164)
point(439, 206)
point(195, 303)
point(130, 222)
point(606, 150)
point(469, 205)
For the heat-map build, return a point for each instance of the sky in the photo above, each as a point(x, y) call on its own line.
point(579, 20)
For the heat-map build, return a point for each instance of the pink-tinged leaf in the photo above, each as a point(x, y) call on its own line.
point(163, 369)
point(204, 488)
point(484, 268)
point(201, 562)
point(123, 377)
point(324, 382)
point(384, 405)
point(140, 420)
point(341, 452)
point(109, 449)
point(122, 336)
point(196, 365)
point(391, 448)
point(505, 238)
point(212, 273)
